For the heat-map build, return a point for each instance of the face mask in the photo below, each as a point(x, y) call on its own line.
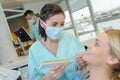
point(31, 21)
point(54, 32)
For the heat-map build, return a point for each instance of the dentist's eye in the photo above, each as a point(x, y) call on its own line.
point(62, 24)
point(54, 25)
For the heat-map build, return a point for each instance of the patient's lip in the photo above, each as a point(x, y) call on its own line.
point(86, 52)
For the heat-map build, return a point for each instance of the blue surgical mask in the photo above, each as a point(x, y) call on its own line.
point(54, 33)
point(31, 21)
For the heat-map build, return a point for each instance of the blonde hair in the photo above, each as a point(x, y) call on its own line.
point(114, 39)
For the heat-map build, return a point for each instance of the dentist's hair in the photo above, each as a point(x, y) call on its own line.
point(28, 12)
point(114, 41)
point(46, 12)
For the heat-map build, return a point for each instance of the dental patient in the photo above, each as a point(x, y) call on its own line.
point(102, 57)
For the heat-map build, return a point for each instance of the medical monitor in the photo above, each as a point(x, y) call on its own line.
point(22, 34)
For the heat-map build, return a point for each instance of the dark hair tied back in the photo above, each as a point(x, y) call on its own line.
point(46, 12)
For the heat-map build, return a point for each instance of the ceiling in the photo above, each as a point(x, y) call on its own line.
point(7, 4)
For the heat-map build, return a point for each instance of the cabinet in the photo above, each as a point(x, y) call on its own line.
point(8, 74)
point(20, 64)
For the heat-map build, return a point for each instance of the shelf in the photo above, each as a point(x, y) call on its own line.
point(107, 19)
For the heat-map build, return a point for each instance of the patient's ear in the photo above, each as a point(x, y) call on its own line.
point(112, 60)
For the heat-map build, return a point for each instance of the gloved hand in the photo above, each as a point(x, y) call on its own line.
point(80, 62)
point(55, 72)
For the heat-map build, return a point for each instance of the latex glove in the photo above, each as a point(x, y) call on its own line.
point(80, 62)
point(55, 72)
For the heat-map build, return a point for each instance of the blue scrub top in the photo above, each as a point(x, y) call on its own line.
point(34, 30)
point(68, 47)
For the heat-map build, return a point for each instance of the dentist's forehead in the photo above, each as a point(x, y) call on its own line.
point(59, 18)
point(29, 16)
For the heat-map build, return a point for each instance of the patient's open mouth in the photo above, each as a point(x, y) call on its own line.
point(86, 48)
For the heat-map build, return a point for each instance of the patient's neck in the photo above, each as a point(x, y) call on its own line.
point(100, 73)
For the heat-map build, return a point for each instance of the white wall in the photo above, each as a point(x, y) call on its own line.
point(35, 6)
point(7, 50)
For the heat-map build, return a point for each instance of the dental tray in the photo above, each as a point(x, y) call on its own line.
point(51, 63)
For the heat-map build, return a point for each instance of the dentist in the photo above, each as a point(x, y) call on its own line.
point(33, 22)
point(54, 44)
